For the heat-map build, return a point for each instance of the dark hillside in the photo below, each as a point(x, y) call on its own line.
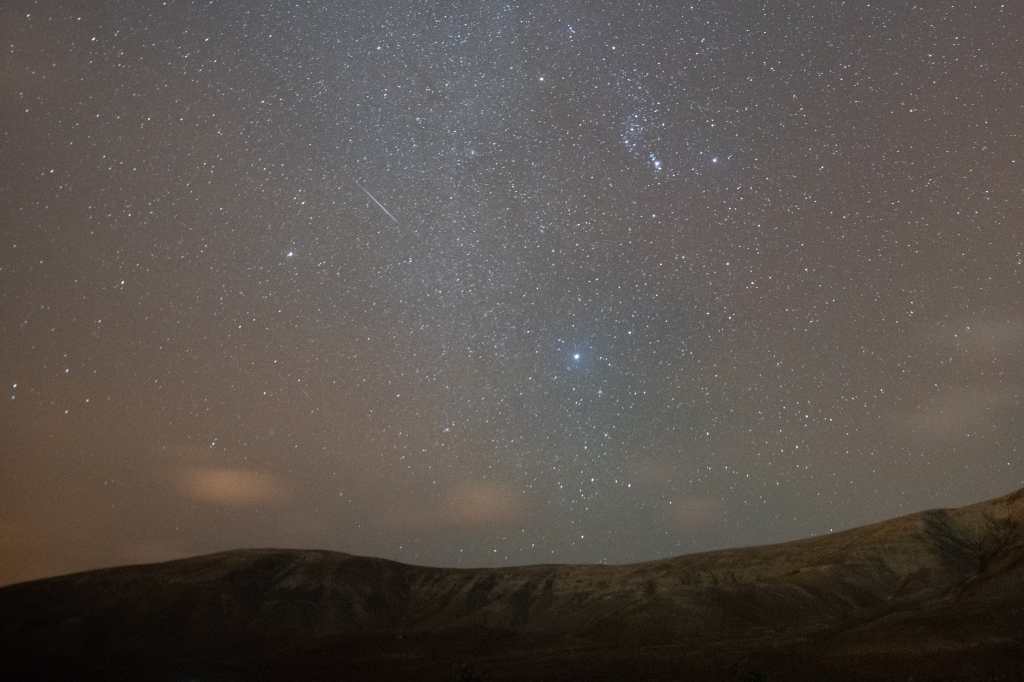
point(934, 595)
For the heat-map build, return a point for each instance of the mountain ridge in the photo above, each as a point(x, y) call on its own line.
point(914, 591)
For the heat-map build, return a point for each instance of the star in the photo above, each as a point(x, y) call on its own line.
point(704, 239)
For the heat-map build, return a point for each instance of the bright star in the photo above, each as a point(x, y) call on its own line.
point(575, 356)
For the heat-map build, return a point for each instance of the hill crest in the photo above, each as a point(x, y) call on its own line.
point(914, 588)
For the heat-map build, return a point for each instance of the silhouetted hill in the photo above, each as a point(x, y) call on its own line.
point(934, 595)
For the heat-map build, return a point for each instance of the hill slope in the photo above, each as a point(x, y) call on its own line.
point(936, 595)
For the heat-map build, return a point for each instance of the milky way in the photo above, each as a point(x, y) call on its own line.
point(503, 282)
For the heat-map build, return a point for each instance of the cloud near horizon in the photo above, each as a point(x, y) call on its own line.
point(477, 503)
point(958, 410)
point(465, 504)
point(693, 512)
point(983, 336)
point(232, 487)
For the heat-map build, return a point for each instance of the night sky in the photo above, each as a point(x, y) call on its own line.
point(499, 282)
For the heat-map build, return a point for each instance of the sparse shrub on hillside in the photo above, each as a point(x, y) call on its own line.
point(1000, 533)
point(466, 672)
point(754, 676)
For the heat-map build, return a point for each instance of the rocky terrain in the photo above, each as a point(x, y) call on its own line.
point(937, 595)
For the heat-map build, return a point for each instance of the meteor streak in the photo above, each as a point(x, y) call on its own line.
point(374, 199)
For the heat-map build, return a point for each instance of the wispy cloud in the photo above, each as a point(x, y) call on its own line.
point(696, 512)
point(232, 487)
point(957, 410)
point(477, 503)
point(984, 336)
point(466, 504)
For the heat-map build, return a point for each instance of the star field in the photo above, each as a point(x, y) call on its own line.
point(503, 282)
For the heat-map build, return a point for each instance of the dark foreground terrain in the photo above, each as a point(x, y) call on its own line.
point(932, 596)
